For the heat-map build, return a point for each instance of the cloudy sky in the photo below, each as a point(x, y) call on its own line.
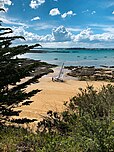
point(61, 23)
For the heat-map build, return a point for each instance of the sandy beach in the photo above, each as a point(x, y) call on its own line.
point(54, 94)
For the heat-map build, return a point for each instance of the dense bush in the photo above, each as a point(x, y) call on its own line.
point(88, 120)
point(87, 125)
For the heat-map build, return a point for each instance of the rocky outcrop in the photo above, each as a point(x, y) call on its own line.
point(92, 73)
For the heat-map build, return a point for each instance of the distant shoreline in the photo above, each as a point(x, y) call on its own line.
point(63, 50)
point(73, 56)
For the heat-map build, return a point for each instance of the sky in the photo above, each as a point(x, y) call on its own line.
point(61, 23)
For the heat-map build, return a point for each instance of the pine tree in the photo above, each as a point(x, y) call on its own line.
point(12, 70)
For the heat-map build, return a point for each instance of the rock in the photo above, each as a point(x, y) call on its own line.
point(55, 58)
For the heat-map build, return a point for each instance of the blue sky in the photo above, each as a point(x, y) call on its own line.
point(61, 23)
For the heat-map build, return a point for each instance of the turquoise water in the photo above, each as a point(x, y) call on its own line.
point(75, 57)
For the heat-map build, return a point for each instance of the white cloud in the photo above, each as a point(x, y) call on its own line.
point(113, 12)
point(99, 25)
point(60, 34)
point(108, 4)
point(58, 44)
point(54, 11)
point(104, 37)
point(89, 12)
point(43, 26)
point(110, 18)
point(12, 21)
point(21, 31)
point(103, 27)
point(5, 2)
point(35, 18)
point(29, 36)
point(93, 12)
point(47, 38)
point(84, 35)
point(85, 11)
point(109, 29)
point(69, 13)
point(87, 36)
point(74, 29)
point(35, 3)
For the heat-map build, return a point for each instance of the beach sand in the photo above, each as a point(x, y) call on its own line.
point(54, 94)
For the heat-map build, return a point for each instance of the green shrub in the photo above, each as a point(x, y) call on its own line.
point(87, 125)
point(88, 120)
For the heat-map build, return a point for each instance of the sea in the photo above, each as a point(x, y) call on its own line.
point(73, 57)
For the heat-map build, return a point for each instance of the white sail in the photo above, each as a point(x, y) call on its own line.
point(59, 78)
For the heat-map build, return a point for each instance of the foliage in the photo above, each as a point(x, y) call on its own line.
point(12, 70)
point(88, 120)
point(18, 139)
point(83, 127)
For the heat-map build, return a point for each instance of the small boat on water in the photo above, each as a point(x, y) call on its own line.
point(59, 78)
